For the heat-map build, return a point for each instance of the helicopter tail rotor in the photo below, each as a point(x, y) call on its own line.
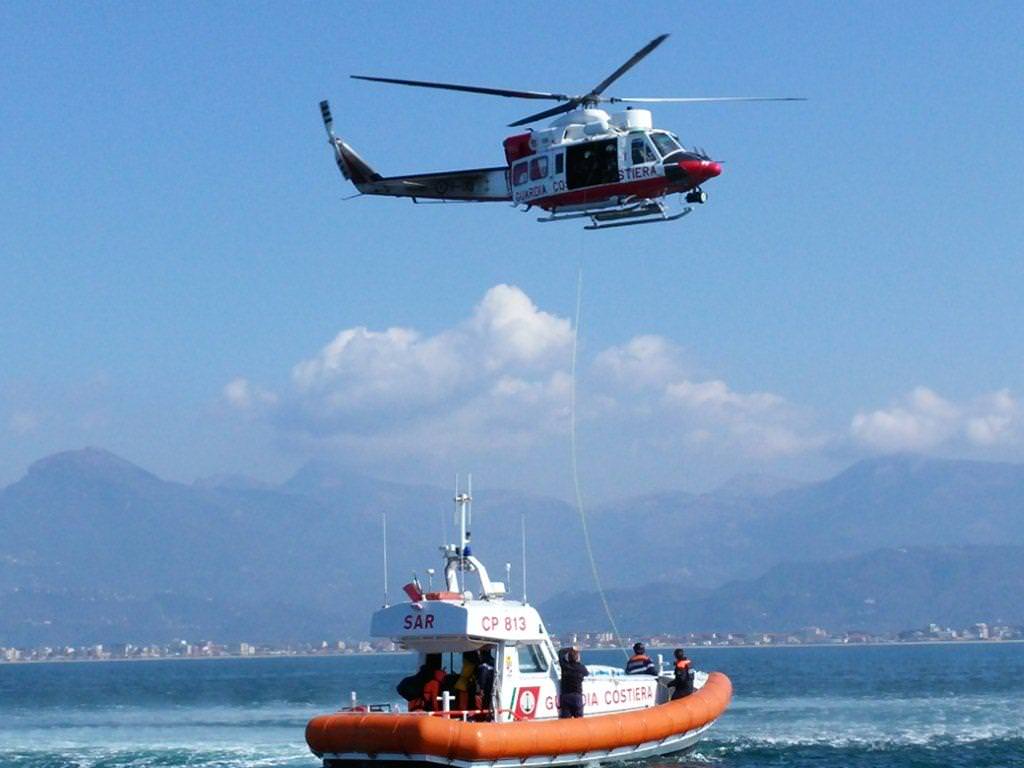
point(325, 113)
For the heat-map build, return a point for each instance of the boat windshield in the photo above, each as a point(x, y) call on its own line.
point(531, 659)
point(666, 144)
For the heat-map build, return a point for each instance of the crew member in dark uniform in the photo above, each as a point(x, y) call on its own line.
point(570, 692)
point(640, 663)
point(485, 677)
point(682, 682)
point(412, 688)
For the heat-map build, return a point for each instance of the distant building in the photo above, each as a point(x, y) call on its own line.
point(812, 635)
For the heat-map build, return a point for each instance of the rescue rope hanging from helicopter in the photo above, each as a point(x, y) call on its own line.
point(573, 442)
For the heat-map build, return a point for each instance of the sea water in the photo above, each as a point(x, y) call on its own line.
point(882, 706)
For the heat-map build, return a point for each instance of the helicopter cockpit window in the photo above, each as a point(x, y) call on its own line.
point(519, 173)
point(666, 144)
point(641, 152)
point(538, 168)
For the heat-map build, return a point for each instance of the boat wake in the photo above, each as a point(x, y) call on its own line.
point(156, 757)
point(852, 733)
point(794, 708)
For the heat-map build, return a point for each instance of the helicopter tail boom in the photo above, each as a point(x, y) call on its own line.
point(476, 184)
point(351, 165)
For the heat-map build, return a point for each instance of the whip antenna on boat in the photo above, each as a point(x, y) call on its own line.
point(444, 525)
point(522, 531)
point(384, 525)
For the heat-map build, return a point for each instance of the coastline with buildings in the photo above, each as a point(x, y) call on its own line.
point(808, 636)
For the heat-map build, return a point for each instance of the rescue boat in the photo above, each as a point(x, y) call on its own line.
point(626, 717)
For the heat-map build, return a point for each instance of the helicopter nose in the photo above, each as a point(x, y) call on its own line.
point(701, 170)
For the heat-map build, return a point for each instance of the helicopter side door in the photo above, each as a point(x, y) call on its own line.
point(591, 163)
point(558, 171)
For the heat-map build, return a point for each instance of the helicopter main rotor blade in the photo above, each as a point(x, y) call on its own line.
point(633, 61)
point(594, 96)
point(569, 106)
point(572, 102)
point(466, 88)
point(695, 99)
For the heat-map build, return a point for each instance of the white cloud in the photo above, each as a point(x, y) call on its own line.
point(645, 361)
point(242, 395)
point(363, 369)
point(996, 421)
point(499, 381)
point(646, 379)
point(716, 397)
point(401, 369)
point(923, 420)
point(506, 414)
point(497, 378)
point(758, 424)
point(514, 331)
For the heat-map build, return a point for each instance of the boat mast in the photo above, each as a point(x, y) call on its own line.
point(463, 502)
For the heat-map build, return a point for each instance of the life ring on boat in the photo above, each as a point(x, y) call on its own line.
point(416, 734)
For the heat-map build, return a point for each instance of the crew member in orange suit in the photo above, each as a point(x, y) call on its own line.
point(682, 682)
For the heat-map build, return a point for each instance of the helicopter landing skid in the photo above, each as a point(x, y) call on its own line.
point(609, 222)
point(645, 212)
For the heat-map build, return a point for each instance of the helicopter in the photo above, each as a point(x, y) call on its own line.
point(614, 169)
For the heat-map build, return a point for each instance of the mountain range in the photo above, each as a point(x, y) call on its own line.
point(96, 549)
point(885, 590)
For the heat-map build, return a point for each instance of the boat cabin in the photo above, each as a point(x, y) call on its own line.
point(461, 622)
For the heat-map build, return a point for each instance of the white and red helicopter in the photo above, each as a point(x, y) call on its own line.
point(615, 169)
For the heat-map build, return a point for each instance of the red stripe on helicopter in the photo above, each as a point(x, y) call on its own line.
point(654, 187)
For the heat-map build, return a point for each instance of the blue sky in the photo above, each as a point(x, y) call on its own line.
point(174, 247)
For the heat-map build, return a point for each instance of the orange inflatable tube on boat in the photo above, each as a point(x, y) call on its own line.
point(417, 734)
